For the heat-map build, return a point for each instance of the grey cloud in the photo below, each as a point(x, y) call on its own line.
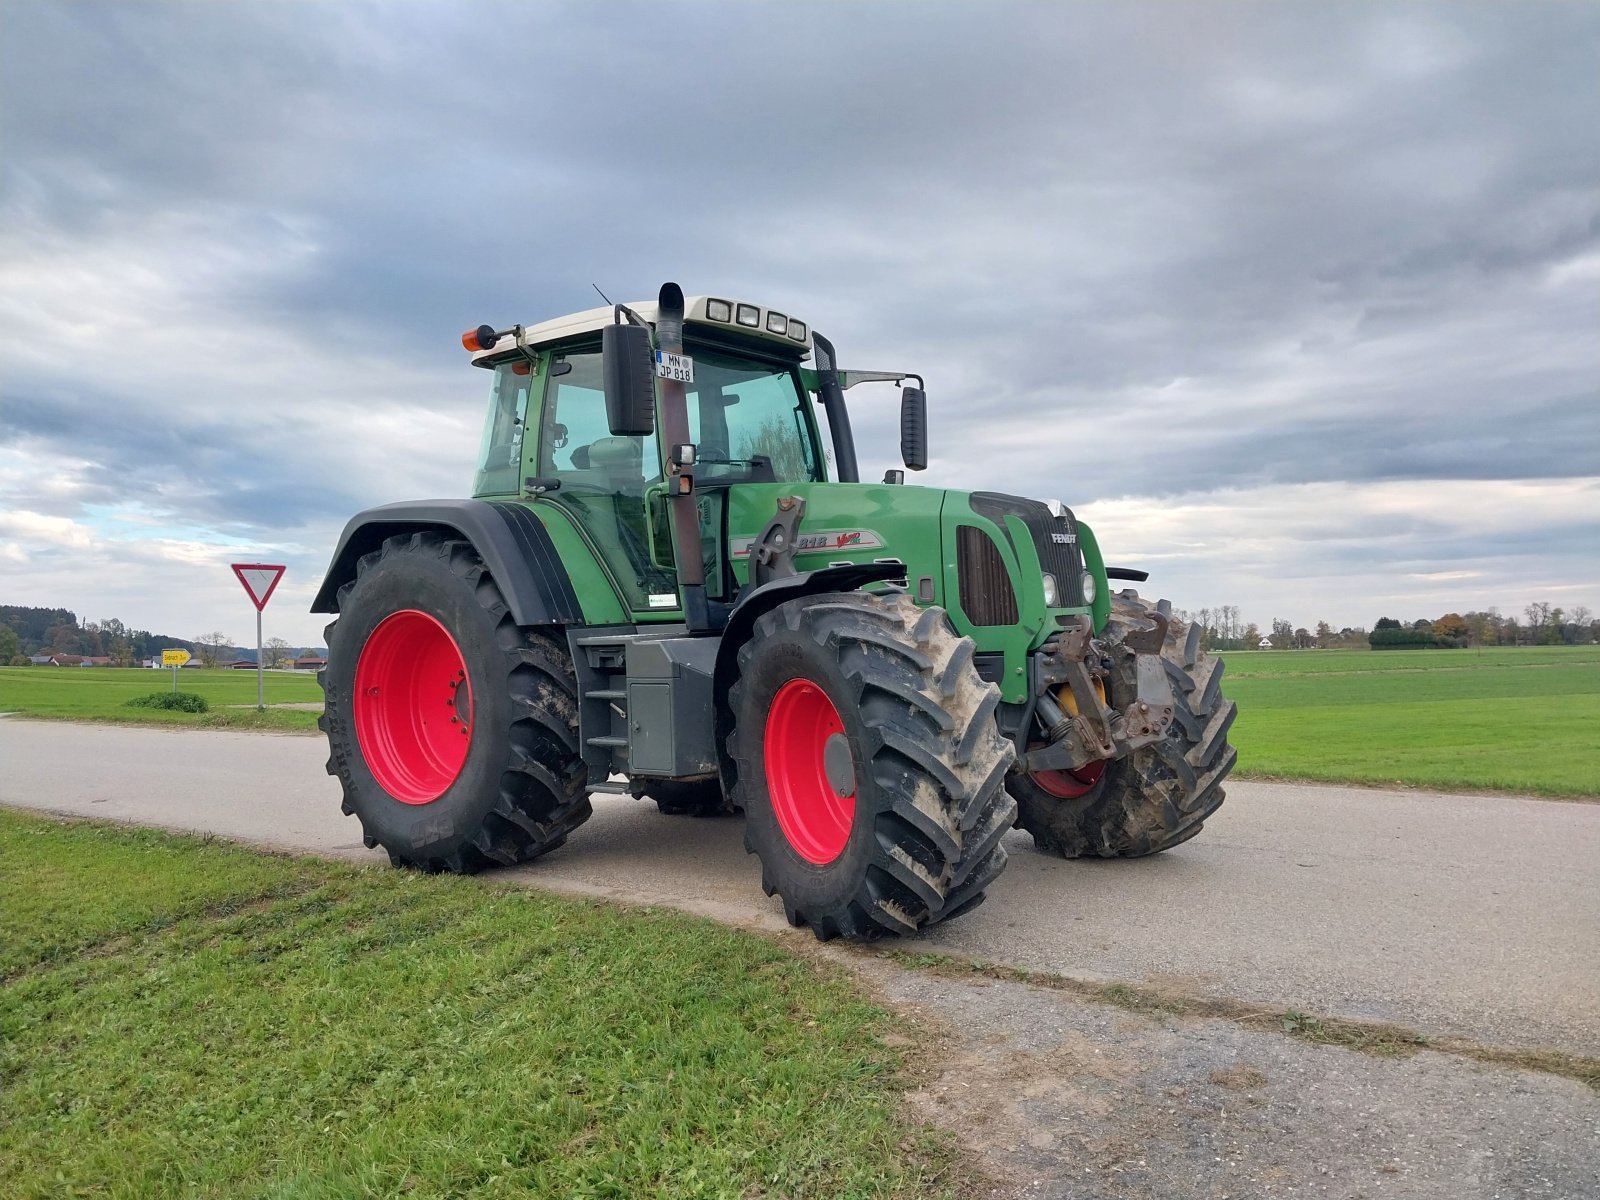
point(1047, 209)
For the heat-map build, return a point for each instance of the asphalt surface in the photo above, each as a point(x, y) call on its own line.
point(1467, 915)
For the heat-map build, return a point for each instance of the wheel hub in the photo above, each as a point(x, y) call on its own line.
point(413, 707)
point(838, 766)
point(810, 771)
point(1070, 785)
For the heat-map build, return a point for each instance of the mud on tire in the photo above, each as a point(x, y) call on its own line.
point(519, 791)
point(929, 803)
point(1157, 796)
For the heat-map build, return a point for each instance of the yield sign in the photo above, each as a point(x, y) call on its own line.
point(259, 579)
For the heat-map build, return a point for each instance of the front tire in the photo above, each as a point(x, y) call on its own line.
point(452, 730)
point(1159, 795)
point(869, 765)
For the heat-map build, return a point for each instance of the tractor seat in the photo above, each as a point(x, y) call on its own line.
point(620, 461)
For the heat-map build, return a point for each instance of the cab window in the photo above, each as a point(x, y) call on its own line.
point(500, 455)
point(748, 418)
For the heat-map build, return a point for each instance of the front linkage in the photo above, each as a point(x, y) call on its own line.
point(1137, 765)
point(1079, 662)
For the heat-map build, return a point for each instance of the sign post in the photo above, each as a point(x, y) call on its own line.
point(259, 580)
point(174, 659)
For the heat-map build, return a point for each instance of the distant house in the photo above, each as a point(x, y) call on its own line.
point(243, 664)
point(1264, 644)
point(95, 660)
point(310, 664)
point(41, 660)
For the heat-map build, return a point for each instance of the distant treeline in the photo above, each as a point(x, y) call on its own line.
point(35, 632)
point(1541, 624)
point(57, 631)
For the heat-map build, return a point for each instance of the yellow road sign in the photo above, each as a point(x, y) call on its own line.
point(174, 658)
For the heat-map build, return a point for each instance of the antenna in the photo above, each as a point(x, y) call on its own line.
point(603, 296)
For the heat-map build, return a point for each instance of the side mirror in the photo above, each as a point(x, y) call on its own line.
point(629, 369)
point(914, 428)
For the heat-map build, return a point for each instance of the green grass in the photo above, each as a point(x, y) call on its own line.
point(102, 694)
point(1521, 719)
point(182, 1017)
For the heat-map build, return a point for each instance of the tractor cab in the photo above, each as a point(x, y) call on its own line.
point(737, 385)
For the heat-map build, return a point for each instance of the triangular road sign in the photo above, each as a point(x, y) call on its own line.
point(259, 580)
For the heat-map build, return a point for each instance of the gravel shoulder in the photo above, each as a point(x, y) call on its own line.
point(1059, 1098)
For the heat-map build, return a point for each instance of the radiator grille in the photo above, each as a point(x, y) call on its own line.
point(986, 593)
point(1063, 559)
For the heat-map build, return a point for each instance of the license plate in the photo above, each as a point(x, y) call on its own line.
point(677, 367)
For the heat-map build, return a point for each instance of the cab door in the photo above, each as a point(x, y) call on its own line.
point(601, 479)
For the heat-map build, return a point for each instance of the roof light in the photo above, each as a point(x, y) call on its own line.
point(777, 322)
point(750, 315)
point(797, 330)
point(482, 338)
point(719, 310)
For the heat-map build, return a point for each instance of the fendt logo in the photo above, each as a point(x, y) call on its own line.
point(1063, 539)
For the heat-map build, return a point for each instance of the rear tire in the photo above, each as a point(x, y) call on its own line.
point(1160, 795)
point(869, 765)
point(420, 611)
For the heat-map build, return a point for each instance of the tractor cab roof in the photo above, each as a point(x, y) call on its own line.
point(738, 318)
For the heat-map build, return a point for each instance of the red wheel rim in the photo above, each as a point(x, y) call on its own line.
point(815, 806)
point(413, 707)
point(1070, 785)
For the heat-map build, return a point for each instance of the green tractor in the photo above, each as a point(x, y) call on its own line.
point(663, 587)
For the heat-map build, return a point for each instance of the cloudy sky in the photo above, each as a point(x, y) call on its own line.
point(1299, 304)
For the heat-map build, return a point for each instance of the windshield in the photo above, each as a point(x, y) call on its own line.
point(747, 418)
point(739, 413)
point(743, 414)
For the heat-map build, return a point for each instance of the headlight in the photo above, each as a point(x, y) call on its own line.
point(1088, 587)
point(1050, 596)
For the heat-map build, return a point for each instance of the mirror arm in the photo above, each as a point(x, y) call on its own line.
point(623, 314)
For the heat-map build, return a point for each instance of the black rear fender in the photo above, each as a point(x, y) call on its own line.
point(511, 541)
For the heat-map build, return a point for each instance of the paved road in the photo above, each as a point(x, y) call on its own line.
point(1469, 915)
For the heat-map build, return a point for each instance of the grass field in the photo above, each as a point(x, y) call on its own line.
point(102, 693)
point(1523, 719)
point(181, 1017)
